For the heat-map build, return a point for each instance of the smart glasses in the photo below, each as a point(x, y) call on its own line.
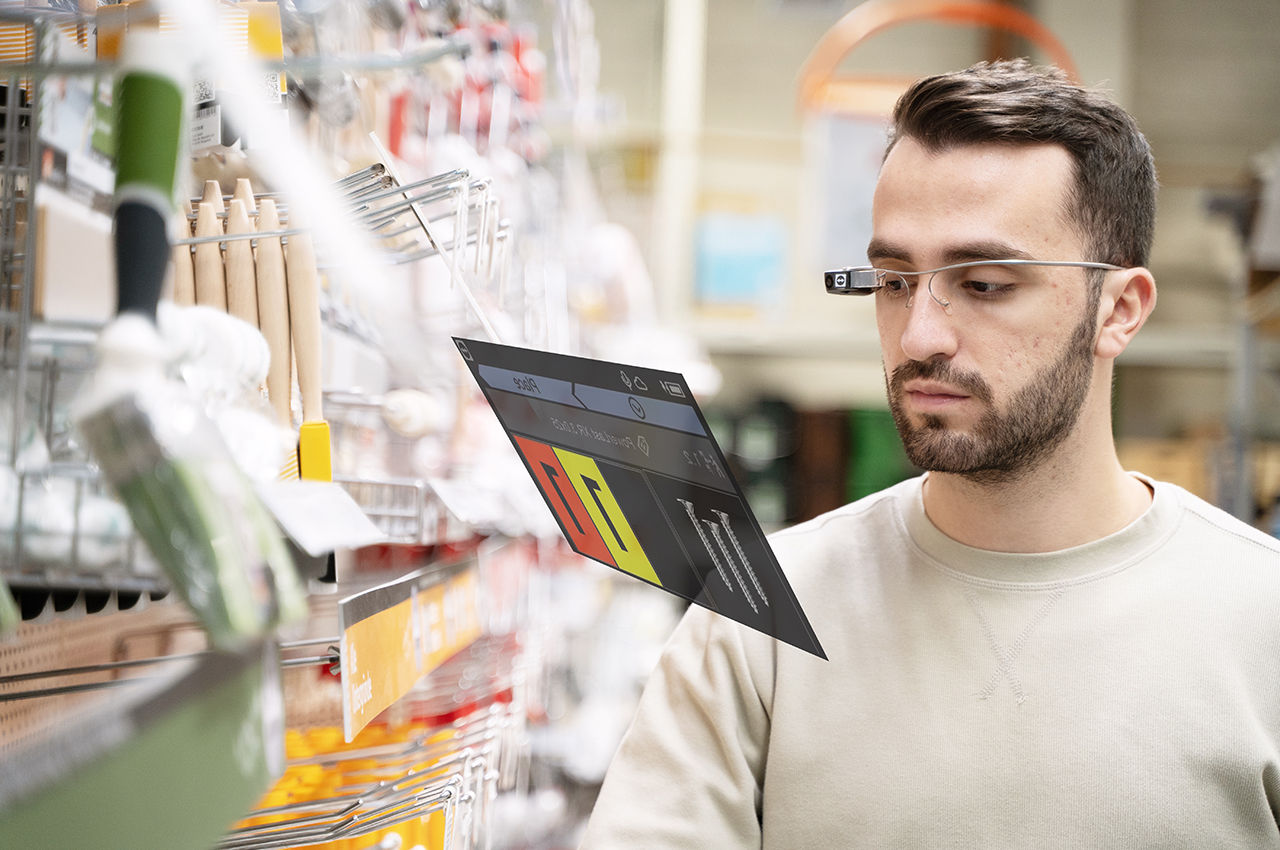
point(978, 284)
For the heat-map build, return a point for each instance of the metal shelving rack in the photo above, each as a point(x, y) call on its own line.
point(93, 633)
point(39, 361)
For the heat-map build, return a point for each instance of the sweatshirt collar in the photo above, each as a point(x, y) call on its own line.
point(1078, 563)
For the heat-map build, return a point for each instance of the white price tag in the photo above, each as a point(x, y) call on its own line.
point(206, 128)
point(320, 516)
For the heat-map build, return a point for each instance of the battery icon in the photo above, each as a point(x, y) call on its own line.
point(672, 388)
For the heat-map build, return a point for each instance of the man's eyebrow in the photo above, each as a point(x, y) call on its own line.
point(968, 252)
point(991, 250)
point(882, 250)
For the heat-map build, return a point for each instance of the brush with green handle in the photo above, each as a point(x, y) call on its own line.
point(197, 513)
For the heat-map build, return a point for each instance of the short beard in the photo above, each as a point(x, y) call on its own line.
point(1003, 446)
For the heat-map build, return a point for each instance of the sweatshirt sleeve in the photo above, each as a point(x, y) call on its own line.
point(689, 771)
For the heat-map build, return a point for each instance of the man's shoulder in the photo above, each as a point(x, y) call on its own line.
point(1208, 519)
point(845, 547)
point(1230, 553)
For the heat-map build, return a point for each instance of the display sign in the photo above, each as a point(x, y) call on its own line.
point(633, 475)
point(396, 633)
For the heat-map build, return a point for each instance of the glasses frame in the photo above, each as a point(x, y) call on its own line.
point(845, 281)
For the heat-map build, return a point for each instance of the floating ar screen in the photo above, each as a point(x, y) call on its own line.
point(635, 479)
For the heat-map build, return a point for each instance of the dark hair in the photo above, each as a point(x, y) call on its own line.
point(1113, 201)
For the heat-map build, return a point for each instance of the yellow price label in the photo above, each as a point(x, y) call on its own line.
point(378, 664)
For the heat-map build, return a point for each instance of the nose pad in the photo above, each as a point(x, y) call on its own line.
point(940, 298)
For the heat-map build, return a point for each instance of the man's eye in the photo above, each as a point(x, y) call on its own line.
point(893, 284)
point(981, 287)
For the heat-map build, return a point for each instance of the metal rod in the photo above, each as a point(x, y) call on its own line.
point(96, 668)
point(295, 644)
point(400, 201)
point(348, 821)
point(377, 216)
point(364, 174)
point(71, 689)
point(380, 216)
point(311, 660)
point(435, 181)
point(232, 237)
point(200, 198)
point(482, 228)
point(281, 209)
point(445, 216)
point(358, 191)
point(419, 806)
point(300, 806)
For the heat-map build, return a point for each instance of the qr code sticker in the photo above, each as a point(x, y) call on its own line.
point(272, 86)
point(202, 90)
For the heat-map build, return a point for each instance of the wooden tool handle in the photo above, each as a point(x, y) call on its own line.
point(273, 312)
point(244, 192)
point(211, 285)
point(213, 195)
point(304, 319)
point(184, 272)
point(242, 290)
point(184, 276)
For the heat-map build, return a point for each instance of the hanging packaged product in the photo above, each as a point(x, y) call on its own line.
point(255, 30)
point(190, 503)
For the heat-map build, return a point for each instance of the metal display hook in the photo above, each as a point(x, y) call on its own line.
point(332, 657)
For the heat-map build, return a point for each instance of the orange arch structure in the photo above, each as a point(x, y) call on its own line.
point(823, 90)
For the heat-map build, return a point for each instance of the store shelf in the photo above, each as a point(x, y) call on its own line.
point(170, 743)
point(426, 773)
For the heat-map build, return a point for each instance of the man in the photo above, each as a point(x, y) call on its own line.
point(1029, 645)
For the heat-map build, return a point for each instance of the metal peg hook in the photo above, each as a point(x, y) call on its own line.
point(106, 667)
point(332, 657)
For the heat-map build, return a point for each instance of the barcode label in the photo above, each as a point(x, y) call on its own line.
point(206, 128)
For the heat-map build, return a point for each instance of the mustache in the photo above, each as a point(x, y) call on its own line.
point(939, 370)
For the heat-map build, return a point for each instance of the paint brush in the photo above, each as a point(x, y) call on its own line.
point(314, 458)
point(190, 504)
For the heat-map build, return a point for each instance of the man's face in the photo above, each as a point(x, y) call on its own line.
point(990, 392)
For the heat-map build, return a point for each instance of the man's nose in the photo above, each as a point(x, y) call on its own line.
point(930, 331)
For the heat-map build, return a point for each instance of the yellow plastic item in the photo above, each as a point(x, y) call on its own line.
point(314, 462)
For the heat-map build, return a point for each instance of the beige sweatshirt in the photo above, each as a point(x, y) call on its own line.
point(1120, 694)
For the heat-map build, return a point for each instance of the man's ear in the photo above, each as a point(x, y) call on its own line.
point(1128, 297)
